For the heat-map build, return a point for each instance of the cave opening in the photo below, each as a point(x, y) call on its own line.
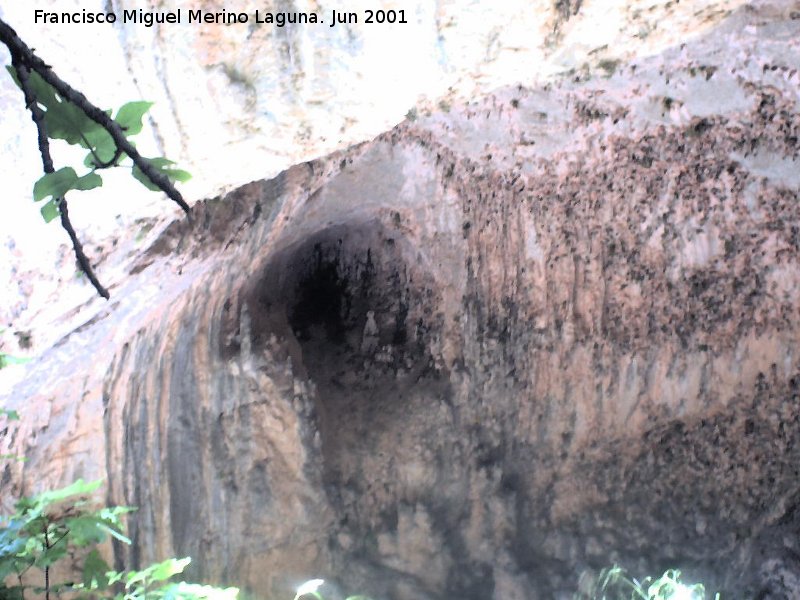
point(348, 297)
point(322, 299)
point(364, 317)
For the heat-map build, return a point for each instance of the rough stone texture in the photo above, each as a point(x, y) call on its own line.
point(237, 103)
point(586, 298)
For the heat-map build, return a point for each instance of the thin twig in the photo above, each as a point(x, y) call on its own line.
point(61, 537)
point(99, 164)
point(46, 567)
point(10, 38)
point(47, 165)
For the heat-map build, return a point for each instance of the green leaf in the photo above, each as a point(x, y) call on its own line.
point(194, 591)
point(64, 120)
point(144, 180)
point(88, 182)
point(178, 175)
point(115, 577)
point(51, 555)
point(58, 184)
point(23, 505)
point(12, 457)
point(57, 589)
point(168, 568)
point(67, 122)
point(54, 184)
point(95, 571)
point(103, 146)
point(85, 530)
point(11, 415)
point(8, 359)
point(163, 166)
point(112, 513)
point(309, 588)
point(114, 533)
point(156, 572)
point(15, 592)
point(49, 210)
point(79, 488)
point(129, 116)
point(45, 93)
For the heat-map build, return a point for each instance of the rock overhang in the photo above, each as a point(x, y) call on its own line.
point(585, 365)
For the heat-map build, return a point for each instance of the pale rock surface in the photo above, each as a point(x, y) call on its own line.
point(590, 292)
point(241, 102)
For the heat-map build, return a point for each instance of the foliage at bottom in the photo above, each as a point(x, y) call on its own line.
point(61, 525)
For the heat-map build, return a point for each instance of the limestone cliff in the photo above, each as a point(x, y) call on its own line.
point(242, 102)
point(586, 299)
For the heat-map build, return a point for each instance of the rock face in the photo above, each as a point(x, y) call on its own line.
point(494, 347)
point(240, 102)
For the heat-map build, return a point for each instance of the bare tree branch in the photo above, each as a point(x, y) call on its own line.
point(25, 61)
point(99, 164)
point(10, 38)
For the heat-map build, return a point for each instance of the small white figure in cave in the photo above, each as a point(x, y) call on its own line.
point(385, 355)
point(369, 339)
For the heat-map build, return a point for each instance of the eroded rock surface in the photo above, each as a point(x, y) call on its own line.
point(492, 348)
point(240, 102)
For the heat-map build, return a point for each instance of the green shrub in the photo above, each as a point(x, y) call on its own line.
point(615, 583)
point(56, 526)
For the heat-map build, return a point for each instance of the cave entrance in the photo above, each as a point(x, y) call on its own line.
point(350, 299)
point(365, 319)
point(323, 300)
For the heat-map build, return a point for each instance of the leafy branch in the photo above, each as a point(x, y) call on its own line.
point(61, 112)
point(48, 528)
point(614, 583)
point(45, 528)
